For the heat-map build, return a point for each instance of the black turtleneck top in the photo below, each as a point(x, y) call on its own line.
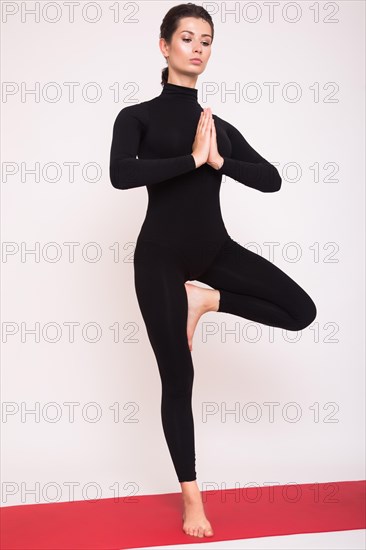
point(184, 202)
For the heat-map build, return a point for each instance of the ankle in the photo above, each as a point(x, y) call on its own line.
point(190, 491)
point(214, 303)
point(192, 500)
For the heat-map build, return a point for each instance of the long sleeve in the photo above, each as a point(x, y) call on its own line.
point(125, 170)
point(247, 166)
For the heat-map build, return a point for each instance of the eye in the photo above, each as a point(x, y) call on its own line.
point(205, 43)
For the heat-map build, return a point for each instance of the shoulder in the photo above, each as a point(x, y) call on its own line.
point(136, 111)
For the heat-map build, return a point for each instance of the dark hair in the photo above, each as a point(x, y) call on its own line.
point(171, 21)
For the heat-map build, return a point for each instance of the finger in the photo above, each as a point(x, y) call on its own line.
point(200, 120)
point(203, 117)
point(207, 122)
point(206, 126)
point(210, 124)
point(203, 123)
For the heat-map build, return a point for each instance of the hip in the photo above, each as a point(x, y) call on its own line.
point(189, 258)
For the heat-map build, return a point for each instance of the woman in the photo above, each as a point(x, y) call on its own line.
point(183, 150)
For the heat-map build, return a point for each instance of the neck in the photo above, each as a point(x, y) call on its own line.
point(176, 91)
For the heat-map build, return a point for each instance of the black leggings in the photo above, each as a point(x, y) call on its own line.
point(250, 286)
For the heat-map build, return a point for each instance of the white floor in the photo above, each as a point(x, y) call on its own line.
point(334, 540)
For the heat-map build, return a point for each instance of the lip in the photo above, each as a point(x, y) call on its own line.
point(196, 60)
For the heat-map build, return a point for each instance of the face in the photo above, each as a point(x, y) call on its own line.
point(191, 40)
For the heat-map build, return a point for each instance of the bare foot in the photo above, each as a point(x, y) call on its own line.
point(200, 300)
point(195, 521)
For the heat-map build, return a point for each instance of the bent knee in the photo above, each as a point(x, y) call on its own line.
point(307, 316)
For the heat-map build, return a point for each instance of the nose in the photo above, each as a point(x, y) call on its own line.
point(198, 48)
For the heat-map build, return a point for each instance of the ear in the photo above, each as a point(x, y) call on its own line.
point(163, 47)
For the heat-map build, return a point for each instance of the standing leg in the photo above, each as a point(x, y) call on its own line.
point(252, 287)
point(163, 303)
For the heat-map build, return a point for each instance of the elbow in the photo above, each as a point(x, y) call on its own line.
point(277, 181)
point(274, 182)
point(116, 176)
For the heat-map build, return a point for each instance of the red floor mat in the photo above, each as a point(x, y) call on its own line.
point(155, 520)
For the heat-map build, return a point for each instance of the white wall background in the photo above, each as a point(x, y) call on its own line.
point(315, 225)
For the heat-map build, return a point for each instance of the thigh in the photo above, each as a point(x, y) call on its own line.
point(241, 271)
point(162, 297)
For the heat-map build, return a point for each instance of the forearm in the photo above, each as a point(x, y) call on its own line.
point(245, 164)
point(129, 173)
point(262, 176)
point(217, 163)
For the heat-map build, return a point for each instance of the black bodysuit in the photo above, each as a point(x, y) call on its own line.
point(183, 237)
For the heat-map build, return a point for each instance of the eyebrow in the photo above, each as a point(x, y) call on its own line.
point(190, 32)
